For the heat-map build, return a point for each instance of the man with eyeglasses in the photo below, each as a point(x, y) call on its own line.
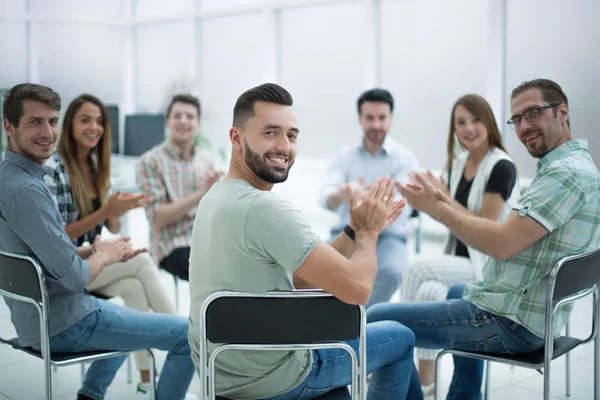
point(555, 217)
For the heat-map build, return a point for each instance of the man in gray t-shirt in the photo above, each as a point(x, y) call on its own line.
point(246, 238)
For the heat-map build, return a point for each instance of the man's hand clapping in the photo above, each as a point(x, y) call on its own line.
point(375, 210)
point(116, 250)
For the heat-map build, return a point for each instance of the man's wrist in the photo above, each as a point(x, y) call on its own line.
point(364, 235)
point(441, 212)
point(348, 230)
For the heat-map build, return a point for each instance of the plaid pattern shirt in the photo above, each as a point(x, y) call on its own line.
point(57, 180)
point(564, 198)
point(167, 177)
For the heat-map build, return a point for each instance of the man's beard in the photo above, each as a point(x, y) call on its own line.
point(540, 150)
point(258, 165)
point(376, 137)
point(39, 158)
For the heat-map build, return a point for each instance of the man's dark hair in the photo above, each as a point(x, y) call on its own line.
point(12, 109)
point(376, 96)
point(184, 98)
point(551, 92)
point(268, 92)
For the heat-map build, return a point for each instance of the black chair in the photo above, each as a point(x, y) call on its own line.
point(298, 320)
point(571, 279)
point(22, 279)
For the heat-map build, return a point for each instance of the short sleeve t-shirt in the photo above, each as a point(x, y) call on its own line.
point(502, 180)
point(248, 240)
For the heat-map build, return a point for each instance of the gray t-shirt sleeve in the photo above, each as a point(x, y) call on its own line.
point(276, 230)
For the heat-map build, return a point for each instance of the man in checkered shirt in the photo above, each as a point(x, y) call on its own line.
point(176, 175)
point(557, 216)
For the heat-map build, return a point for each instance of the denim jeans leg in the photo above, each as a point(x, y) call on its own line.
point(389, 358)
point(448, 324)
point(391, 260)
point(113, 327)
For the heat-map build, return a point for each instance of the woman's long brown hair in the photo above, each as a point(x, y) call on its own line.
point(99, 156)
point(480, 108)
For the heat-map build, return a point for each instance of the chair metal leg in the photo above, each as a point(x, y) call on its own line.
point(547, 380)
point(82, 367)
point(176, 280)
point(568, 365)
point(129, 368)
point(152, 375)
point(436, 380)
point(596, 368)
point(48, 378)
point(486, 392)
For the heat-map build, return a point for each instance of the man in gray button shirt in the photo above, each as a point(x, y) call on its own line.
point(31, 225)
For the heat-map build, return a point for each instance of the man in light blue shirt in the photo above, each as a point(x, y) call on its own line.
point(356, 167)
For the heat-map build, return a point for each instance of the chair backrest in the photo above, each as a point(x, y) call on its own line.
point(281, 320)
point(575, 274)
point(20, 275)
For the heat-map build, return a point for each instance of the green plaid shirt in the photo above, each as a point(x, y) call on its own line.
point(564, 197)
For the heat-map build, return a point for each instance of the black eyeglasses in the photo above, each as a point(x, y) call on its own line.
point(530, 115)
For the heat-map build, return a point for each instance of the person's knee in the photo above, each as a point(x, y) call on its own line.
point(402, 337)
point(380, 312)
point(181, 345)
point(131, 288)
point(456, 291)
point(145, 261)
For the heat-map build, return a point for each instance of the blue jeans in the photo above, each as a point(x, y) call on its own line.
point(389, 358)
point(113, 327)
point(456, 291)
point(458, 324)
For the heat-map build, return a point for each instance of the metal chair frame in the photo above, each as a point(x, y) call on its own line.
point(207, 365)
point(552, 305)
point(41, 306)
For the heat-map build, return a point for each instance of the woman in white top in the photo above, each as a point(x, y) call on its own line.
point(481, 179)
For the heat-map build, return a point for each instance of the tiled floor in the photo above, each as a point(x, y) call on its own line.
point(21, 376)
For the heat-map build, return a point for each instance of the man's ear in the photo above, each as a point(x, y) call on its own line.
point(9, 129)
point(564, 112)
point(236, 138)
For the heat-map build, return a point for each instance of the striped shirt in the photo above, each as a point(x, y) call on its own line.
point(58, 182)
point(31, 225)
point(564, 198)
point(167, 177)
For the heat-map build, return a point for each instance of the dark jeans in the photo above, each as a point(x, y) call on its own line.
point(458, 324)
point(389, 359)
point(178, 263)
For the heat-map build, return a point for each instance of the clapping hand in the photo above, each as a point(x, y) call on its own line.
point(118, 204)
point(376, 209)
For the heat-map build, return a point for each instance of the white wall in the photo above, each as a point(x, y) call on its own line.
point(562, 44)
point(428, 62)
point(326, 52)
point(241, 49)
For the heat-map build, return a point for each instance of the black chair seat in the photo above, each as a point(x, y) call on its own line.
point(562, 345)
point(56, 357)
point(337, 394)
point(99, 295)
